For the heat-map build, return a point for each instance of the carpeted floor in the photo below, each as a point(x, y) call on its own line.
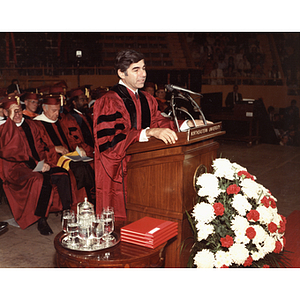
point(276, 167)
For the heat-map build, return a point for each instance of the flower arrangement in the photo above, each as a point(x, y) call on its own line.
point(235, 221)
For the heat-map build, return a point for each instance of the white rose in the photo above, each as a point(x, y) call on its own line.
point(204, 230)
point(209, 186)
point(222, 258)
point(257, 255)
point(238, 253)
point(240, 237)
point(265, 214)
point(223, 168)
point(260, 236)
point(239, 223)
point(250, 188)
point(269, 245)
point(204, 259)
point(241, 204)
point(203, 212)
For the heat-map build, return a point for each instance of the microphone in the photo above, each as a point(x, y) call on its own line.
point(172, 87)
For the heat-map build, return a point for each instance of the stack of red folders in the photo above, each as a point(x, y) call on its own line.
point(149, 232)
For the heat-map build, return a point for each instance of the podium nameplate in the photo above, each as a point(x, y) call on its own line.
point(193, 135)
point(196, 132)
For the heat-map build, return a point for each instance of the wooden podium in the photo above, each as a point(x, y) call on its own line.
point(160, 181)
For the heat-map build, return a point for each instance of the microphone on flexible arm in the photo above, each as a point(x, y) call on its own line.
point(172, 87)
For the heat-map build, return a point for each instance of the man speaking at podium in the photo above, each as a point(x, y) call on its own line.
point(123, 116)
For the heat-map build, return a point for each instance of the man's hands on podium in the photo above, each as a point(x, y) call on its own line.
point(167, 135)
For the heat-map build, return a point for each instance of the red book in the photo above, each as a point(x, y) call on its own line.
point(150, 243)
point(148, 226)
point(149, 232)
point(150, 240)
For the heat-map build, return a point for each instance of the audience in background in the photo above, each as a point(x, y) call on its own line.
point(237, 56)
point(286, 124)
point(149, 87)
point(216, 75)
point(200, 44)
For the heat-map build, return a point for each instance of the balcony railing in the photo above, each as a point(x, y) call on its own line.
point(242, 80)
point(109, 70)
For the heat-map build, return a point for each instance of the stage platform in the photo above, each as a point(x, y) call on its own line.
point(276, 167)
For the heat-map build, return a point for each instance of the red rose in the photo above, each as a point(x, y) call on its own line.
point(219, 209)
point(253, 215)
point(233, 189)
point(272, 227)
point(282, 227)
point(246, 174)
point(224, 266)
point(273, 203)
point(265, 201)
point(227, 241)
point(248, 261)
point(266, 266)
point(251, 233)
point(283, 218)
point(278, 247)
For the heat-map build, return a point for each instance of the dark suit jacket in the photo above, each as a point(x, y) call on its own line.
point(229, 102)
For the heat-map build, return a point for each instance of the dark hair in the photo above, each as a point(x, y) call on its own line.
point(125, 58)
point(74, 98)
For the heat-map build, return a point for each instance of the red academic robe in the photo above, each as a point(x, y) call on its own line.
point(41, 144)
point(113, 135)
point(74, 139)
point(21, 186)
point(72, 133)
point(46, 152)
point(70, 119)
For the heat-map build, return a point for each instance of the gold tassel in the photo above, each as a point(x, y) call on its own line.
point(87, 94)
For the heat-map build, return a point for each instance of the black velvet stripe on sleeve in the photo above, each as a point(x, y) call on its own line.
point(118, 138)
point(52, 134)
point(71, 129)
point(30, 140)
point(109, 131)
point(109, 118)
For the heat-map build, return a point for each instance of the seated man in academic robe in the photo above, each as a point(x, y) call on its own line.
point(59, 91)
point(80, 112)
point(65, 136)
point(29, 193)
point(31, 101)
